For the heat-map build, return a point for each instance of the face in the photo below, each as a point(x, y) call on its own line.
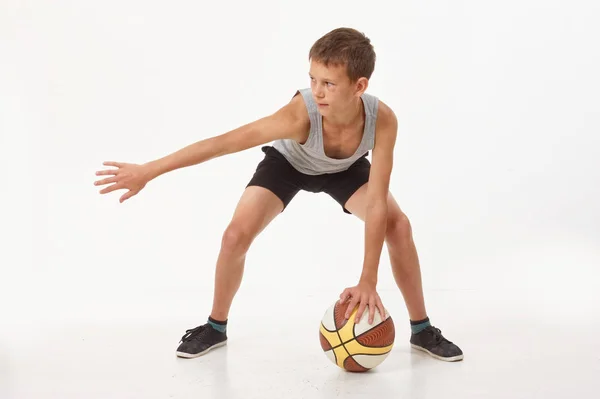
point(332, 89)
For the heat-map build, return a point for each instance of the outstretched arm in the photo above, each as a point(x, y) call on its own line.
point(288, 122)
point(291, 122)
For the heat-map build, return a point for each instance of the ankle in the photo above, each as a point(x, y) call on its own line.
point(218, 314)
point(219, 325)
point(417, 326)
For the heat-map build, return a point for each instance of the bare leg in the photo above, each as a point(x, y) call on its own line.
point(401, 249)
point(255, 210)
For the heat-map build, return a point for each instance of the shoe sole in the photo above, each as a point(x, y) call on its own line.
point(446, 359)
point(193, 355)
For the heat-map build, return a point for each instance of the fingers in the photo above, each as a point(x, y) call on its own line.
point(353, 302)
point(112, 172)
point(105, 181)
point(361, 309)
point(381, 308)
point(370, 303)
point(372, 308)
point(374, 304)
point(345, 296)
point(111, 188)
point(363, 300)
point(127, 195)
point(112, 163)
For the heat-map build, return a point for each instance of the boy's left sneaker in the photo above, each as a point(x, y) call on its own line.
point(430, 340)
point(197, 341)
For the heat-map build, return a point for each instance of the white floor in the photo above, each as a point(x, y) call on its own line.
point(511, 351)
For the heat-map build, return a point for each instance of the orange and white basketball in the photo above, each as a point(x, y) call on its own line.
point(354, 346)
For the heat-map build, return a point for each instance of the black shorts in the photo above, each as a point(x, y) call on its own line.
point(276, 174)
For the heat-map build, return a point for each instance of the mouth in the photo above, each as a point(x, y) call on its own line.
point(322, 105)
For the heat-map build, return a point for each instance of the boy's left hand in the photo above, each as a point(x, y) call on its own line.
point(362, 294)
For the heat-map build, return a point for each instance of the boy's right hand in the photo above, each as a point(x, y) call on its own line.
point(132, 177)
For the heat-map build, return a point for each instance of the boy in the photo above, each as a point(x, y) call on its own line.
point(320, 142)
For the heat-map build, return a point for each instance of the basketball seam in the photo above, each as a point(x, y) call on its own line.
point(354, 339)
point(337, 331)
point(370, 354)
point(326, 340)
point(363, 368)
point(338, 335)
point(342, 344)
point(372, 346)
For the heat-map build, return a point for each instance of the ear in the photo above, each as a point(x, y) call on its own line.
point(361, 86)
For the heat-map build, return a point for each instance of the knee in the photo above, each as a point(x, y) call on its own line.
point(236, 239)
point(398, 227)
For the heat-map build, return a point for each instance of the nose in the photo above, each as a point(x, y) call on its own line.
point(318, 90)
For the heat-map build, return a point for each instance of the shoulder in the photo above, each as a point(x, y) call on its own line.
point(386, 128)
point(298, 109)
point(385, 115)
point(295, 115)
point(295, 110)
point(387, 123)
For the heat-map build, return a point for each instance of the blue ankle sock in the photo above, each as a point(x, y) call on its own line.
point(218, 324)
point(419, 325)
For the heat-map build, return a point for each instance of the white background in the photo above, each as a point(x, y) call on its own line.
point(496, 166)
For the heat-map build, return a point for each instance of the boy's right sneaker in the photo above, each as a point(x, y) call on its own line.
point(197, 341)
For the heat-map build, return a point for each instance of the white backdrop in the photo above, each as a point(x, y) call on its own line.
point(496, 161)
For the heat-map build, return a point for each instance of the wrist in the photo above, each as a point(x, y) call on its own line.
point(152, 170)
point(368, 279)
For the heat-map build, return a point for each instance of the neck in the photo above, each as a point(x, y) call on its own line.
point(349, 116)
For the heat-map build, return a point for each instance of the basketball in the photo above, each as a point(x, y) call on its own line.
point(356, 347)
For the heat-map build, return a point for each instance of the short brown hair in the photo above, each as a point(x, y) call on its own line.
point(346, 46)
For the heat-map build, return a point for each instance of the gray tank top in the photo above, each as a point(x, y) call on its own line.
point(309, 158)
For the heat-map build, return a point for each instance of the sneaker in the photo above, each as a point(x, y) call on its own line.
point(431, 341)
point(197, 341)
